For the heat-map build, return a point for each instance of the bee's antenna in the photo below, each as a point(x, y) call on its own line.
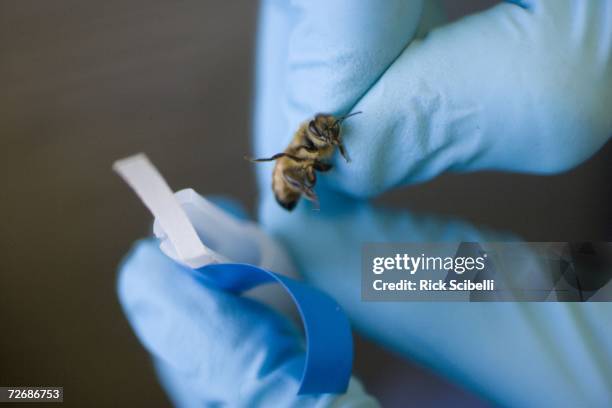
point(342, 118)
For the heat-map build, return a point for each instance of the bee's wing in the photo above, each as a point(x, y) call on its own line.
point(301, 185)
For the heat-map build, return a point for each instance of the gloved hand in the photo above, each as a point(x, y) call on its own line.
point(514, 354)
point(512, 88)
point(212, 348)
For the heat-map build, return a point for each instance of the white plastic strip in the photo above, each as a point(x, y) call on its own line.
point(152, 189)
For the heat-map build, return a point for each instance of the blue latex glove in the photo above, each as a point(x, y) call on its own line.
point(512, 88)
point(212, 348)
point(515, 354)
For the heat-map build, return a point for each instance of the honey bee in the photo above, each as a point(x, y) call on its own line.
point(313, 144)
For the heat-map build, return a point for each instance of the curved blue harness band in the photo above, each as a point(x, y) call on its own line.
point(329, 352)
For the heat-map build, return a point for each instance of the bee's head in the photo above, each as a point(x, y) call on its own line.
point(326, 128)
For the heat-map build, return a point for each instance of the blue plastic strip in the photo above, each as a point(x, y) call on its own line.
point(329, 343)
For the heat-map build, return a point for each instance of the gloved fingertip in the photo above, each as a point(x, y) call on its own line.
point(138, 254)
point(138, 271)
point(144, 250)
point(338, 49)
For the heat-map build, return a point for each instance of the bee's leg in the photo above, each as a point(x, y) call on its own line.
point(343, 152)
point(275, 157)
point(311, 196)
point(321, 166)
point(311, 176)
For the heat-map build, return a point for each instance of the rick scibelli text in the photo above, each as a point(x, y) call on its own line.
point(434, 285)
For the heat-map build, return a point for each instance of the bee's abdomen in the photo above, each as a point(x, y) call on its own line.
point(285, 195)
point(287, 204)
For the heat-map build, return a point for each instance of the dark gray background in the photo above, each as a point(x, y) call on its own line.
point(85, 83)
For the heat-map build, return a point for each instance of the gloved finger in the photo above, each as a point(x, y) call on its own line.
point(316, 56)
point(510, 88)
point(337, 49)
point(551, 352)
point(224, 348)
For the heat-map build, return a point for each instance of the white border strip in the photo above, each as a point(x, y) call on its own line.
point(152, 189)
